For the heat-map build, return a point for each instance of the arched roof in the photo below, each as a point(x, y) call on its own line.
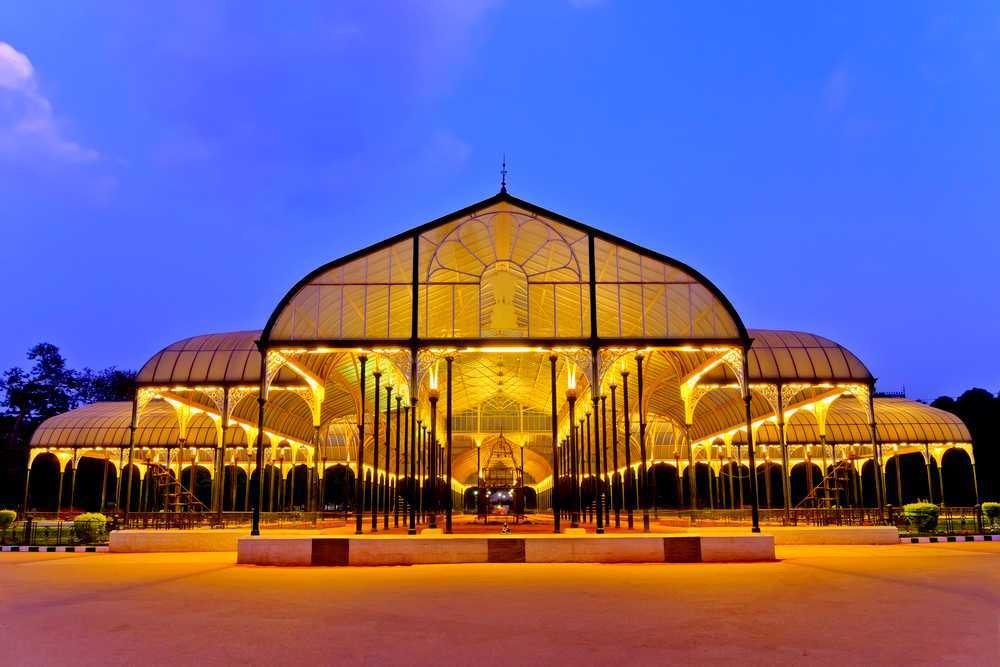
point(549, 263)
point(209, 359)
point(898, 421)
point(781, 356)
point(107, 425)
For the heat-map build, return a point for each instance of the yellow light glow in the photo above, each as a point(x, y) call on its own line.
point(432, 378)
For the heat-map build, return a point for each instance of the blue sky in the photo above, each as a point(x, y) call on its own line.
point(172, 170)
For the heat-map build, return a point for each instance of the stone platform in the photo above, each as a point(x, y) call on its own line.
point(438, 549)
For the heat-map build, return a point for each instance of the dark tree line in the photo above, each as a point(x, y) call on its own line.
point(29, 396)
point(980, 410)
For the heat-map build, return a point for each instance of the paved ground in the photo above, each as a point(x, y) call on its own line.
point(910, 603)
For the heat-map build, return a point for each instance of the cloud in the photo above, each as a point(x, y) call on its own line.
point(836, 90)
point(29, 129)
point(445, 149)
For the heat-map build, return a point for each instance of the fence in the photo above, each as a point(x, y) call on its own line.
point(34, 531)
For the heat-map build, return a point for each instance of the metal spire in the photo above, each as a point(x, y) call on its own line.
point(503, 174)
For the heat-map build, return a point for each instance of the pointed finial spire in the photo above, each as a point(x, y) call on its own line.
point(503, 174)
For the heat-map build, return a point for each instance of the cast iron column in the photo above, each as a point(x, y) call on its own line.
point(359, 486)
point(432, 462)
point(628, 496)
point(261, 403)
point(388, 436)
point(555, 447)
point(604, 448)
point(644, 484)
point(376, 418)
point(449, 509)
point(412, 488)
point(574, 521)
point(617, 493)
point(598, 490)
point(395, 495)
point(754, 500)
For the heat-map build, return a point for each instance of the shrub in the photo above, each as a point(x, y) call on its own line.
point(923, 517)
point(91, 527)
point(7, 518)
point(990, 510)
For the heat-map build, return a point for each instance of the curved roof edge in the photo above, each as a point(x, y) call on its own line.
point(504, 196)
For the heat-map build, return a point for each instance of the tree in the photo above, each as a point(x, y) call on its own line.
point(980, 410)
point(110, 384)
point(49, 387)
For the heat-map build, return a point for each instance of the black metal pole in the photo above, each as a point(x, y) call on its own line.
point(131, 447)
point(376, 495)
point(617, 494)
point(432, 463)
point(754, 497)
point(586, 451)
point(574, 480)
point(596, 479)
point(395, 499)
point(261, 403)
point(359, 486)
point(628, 496)
point(449, 509)
point(604, 448)
point(388, 436)
point(555, 446)
point(644, 483)
point(412, 487)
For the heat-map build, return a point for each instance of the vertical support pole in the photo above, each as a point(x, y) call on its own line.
point(927, 468)
point(941, 480)
point(555, 448)
point(754, 500)
point(432, 477)
point(692, 469)
point(628, 497)
point(588, 468)
point(388, 436)
point(118, 479)
point(617, 494)
point(131, 450)
point(104, 482)
point(359, 479)
point(422, 453)
point(376, 418)
point(604, 448)
point(739, 469)
point(396, 496)
point(596, 479)
point(62, 474)
point(680, 478)
point(643, 482)
point(27, 479)
point(899, 476)
point(574, 521)
point(876, 454)
point(807, 459)
point(449, 508)
point(261, 403)
point(786, 472)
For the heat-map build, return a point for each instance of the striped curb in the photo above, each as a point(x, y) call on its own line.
point(951, 538)
point(58, 550)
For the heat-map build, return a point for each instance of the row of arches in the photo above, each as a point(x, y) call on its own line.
point(729, 486)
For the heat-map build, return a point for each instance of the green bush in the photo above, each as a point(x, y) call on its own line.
point(923, 517)
point(7, 518)
point(990, 510)
point(91, 527)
